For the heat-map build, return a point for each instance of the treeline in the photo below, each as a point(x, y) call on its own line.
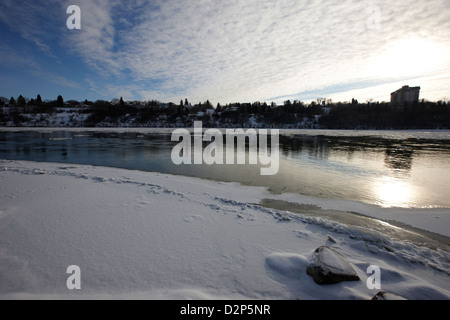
point(319, 114)
point(417, 115)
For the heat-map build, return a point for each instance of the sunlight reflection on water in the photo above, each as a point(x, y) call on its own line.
point(391, 192)
point(389, 169)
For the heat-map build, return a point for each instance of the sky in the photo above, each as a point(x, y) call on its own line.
point(225, 51)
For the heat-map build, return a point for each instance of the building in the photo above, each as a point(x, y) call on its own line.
point(406, 94)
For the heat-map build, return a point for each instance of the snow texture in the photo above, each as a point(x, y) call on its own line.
point(140, 235)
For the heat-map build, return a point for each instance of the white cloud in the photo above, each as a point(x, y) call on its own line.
point(248, 50)
point(242, 50)
point(96, 39)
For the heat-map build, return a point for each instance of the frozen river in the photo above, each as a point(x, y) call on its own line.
point(385, 168)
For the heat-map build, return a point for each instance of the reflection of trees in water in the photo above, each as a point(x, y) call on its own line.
point(64, 153)
point(322, 147)
point(316, 147)
point(398, 154)
point(399, 157)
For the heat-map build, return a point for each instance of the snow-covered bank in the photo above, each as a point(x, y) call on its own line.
point(435, 220)
point(156, 236)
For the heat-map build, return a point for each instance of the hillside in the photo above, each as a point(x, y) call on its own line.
point(290, 115)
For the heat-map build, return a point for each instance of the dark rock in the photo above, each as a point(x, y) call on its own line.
point(387, 296)
point(328, 266)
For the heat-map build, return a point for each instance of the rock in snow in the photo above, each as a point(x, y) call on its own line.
point(387, 296)
point(328, 266)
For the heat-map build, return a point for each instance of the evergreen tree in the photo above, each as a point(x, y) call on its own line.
point(121, 102)
point(21, 101)
point(39, 99)
point(12, 101)
point(60, 102)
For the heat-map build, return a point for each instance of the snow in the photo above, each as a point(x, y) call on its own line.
point(435, 220)
point(334, 262)
point(141, 235)
point(67, 117)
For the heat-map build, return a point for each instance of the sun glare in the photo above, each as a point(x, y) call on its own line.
point(393, 193)
point(410, 57)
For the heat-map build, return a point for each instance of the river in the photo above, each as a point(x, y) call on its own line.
point(404, 169)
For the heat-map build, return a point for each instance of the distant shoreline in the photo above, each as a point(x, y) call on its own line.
point(291, 115)
point(170, 129)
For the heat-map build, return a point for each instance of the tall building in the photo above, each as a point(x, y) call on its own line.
point(406, 94)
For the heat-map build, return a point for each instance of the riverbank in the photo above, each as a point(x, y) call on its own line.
point(148, 235)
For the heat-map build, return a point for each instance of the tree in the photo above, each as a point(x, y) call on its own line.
point(321, 101)
point(60, 102)
point(12, 101)
point(121, 102)
point(21, 101)
point(39, 99)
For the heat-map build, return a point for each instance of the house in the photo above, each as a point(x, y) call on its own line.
point(404, 95)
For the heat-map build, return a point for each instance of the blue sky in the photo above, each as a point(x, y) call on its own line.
point(225, 51)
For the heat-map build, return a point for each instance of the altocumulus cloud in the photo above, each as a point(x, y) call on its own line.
point(245, 50)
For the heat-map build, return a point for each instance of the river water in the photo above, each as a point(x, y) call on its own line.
point(405, 169)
